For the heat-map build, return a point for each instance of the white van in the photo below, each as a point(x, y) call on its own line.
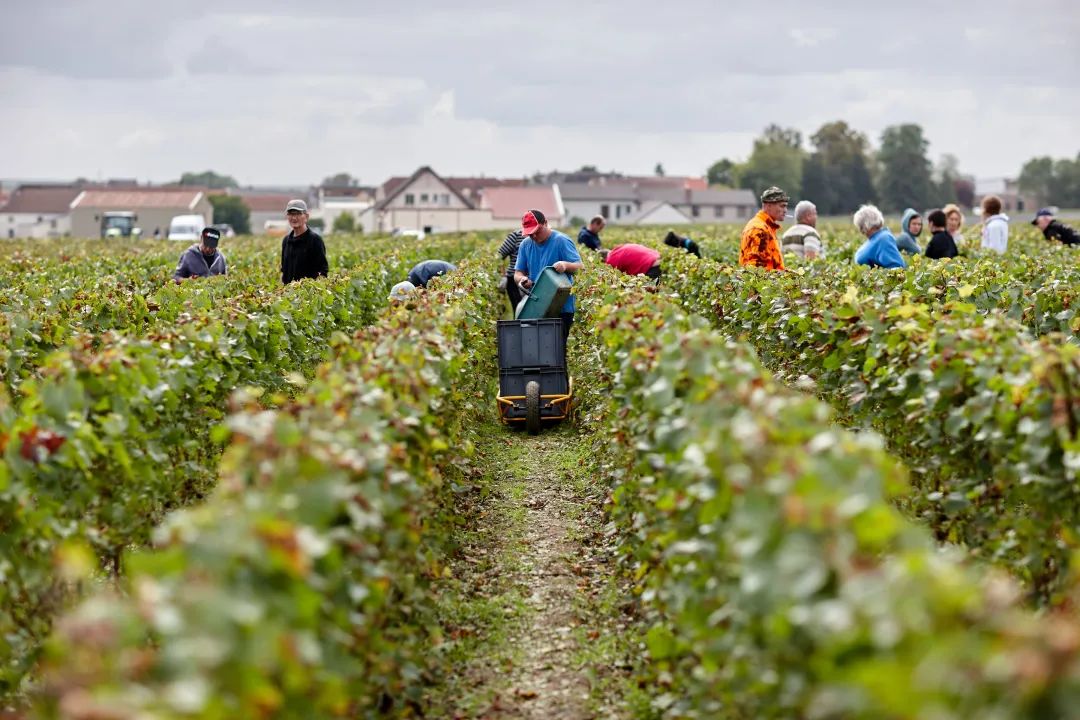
point(186, 227)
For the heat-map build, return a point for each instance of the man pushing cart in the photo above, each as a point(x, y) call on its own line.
point(534, 385)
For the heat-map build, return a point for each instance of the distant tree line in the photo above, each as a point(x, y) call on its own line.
point(1052, 182)
point(840, 171)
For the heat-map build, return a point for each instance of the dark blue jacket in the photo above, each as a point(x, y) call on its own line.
point(422, 273)
point(588, 238)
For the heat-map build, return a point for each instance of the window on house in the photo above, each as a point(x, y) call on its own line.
point(410, 199)
point(39, 218)
point(52, 224)
point(605, 210)
point(446, 199)
point(695, 211)
point(718, 211)
point(423, 198)
point(618, 211)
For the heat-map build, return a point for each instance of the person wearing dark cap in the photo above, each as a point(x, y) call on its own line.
point(541, 248)
point(759, 245)
point(303, 253)
point(1055, 229)
point(678, 241)
point(202, 260)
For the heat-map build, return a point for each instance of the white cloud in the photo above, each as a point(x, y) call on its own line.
point(270, 91)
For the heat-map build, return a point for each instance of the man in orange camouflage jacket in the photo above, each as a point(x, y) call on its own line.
point(760, 245)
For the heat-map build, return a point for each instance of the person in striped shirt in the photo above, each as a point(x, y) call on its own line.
point(509, 249)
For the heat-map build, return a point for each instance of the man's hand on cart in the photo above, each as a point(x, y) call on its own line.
point(523, 280)
point(560, 266)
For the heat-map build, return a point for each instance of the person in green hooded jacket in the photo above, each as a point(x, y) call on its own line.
point(910, 227)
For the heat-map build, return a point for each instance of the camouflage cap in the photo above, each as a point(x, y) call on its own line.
point(774, 195)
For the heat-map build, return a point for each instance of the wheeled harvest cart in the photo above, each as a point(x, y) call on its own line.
point(534, 385)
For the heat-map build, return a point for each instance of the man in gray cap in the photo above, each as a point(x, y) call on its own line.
point(303, 253)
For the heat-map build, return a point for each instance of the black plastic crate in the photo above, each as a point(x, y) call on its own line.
point(552, 381)
point(531, 344)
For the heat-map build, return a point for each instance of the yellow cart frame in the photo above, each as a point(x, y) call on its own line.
point(562, 405)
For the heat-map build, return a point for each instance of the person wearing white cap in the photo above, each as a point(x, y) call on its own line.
point(303, 253)
point(401, 291)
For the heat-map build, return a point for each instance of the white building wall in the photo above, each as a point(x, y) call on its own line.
point(34, 225)
point(613, 210)
point(664, 215)
point(427, 192)
point(715, 213)
point(331, 209)
point(437, 221)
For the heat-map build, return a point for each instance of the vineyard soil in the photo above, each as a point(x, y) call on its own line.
point(532, 624)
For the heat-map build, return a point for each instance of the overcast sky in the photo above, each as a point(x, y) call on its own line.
point(276, 92)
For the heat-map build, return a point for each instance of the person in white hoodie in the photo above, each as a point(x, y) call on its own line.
point(995, 232)
point(802, 238)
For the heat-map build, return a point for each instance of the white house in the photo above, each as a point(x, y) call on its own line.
point(614, 200)
point(656, 212)
point(38, 211)
point(332, 202)
point(428, 202)
point(621, 202)
point(708, 206)
point(265, 208)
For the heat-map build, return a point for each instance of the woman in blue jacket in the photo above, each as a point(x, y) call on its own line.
point(880, 249)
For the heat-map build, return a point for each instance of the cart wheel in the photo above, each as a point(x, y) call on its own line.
point(532, 408)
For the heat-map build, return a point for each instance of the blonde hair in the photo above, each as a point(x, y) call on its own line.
point(953, 208)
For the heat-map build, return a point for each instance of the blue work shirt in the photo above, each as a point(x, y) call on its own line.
point(880, 251)
point(422, 273)
point(533, 257)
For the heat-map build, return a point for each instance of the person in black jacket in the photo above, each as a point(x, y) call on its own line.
point(303, 253)
point(941, 243)
point(676, 241)
point(1055, 229)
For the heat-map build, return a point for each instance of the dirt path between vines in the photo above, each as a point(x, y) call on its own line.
point(533, 624)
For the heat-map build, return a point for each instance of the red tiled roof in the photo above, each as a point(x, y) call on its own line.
point(508, 203)
point(42, 199)
point(140, 198)
point(266, 203)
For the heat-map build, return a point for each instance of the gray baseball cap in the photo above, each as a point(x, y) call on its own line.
point(296, 205)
